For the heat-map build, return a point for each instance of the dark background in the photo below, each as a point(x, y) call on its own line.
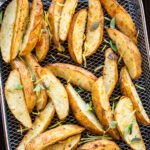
point(147, 14)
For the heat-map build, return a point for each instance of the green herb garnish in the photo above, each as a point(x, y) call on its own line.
point(63, 55)
point(94, 26)
point(1, 16)
point(128, 129)
point(113, 125)
point(19, 87)
point(38, 88)
point(135, 140)
point(113, 46)
point(98, 68)
point(112, 23)
point(114, 106)
point(80, 90)
point(140, 87)
point(106, 18)
point(58, 123)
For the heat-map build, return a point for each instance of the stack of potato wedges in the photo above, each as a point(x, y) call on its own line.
point(25, 39)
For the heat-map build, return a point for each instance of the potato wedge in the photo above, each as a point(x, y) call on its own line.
point(76, 35)
point(128, 51)
point(43, 44)
point(27, 83)
point(110, 71)
point(123, 20)
point(95, 27)
point(33, 29)
point(128, 89)
point(56, 92)
point(102, 107)
point(66, 17)
point(40, 124)
point(7, 30)
point(54, 15)
point(127, 125)
point(42, 95)
point(16, 100)
point(80, 110)
point(73, 74)
point(100, 145)
point(53, 136)
point(20, 27)
point(69, 144)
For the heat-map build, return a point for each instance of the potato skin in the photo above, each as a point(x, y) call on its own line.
point(75, 75)
point(123, 20)
point(99, 145)
point(33, 28)
point(128, 51)
point(53, 136)
point(128, 89)
point(76, 35)
point(102, 107)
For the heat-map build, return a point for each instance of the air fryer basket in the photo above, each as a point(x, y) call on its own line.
point(135, 8)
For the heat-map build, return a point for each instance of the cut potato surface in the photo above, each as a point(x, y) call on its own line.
point(128, 89)
point(7, 30)
point(53, 136)
point(123, 20)
point(16, 100)
point(82, 113)
point(127, 125)
point(40, 124)
point(95, 27)
point(76, 35)
point(73, 74)
point(66, 17)
point(33, 29)
point(128, 51)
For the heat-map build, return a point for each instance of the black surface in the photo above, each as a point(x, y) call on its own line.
point(147, 14)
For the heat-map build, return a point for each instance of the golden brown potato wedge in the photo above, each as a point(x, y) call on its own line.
point(16, 100)
point(73, 74)
point(123, 20)
point(66, 17)
point(27, 83)
point(102, 107)
point(33, 29)
point(128, 51)
point(82, 113)
point(7, 30)
point(55, 91)
point(76, 35)
point(43, 43)
point(40, 124)
point(100, 145)
point(110, 71)
point(54, 15)
point(95, 27)
point(69, 144)
point(127, 125)
point(128, 89)
point(20, 27)
point(53, 136)
point(42, 95)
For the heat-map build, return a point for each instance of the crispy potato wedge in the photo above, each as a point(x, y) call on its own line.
point(53, 136)
point(110, 71)
point(7, 30)
point(80, 110)
point(20, 27)
point(102, 107)
point(127, 125)
point(100, 145)
point(40, 124)
point(76, 35)
point(123, 20)
point(43, 44)
point(55, 91)
point(73, 74)
point(69, 144)
point(42, 95)
point(54, 15)
point(27, 83)
point(95, 27)
point(128, 89)
point(33, 29)
point(66, 17)
point(128, 51)
point(16, 100)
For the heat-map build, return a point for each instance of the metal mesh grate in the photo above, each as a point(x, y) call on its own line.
point(92, 62)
